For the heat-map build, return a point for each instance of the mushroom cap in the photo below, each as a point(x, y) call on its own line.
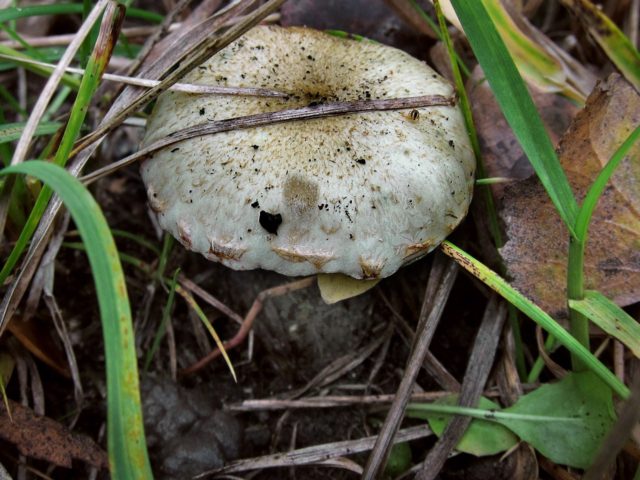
point(360, 194)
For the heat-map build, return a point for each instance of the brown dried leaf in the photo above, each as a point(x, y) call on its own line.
point(46, 439)
point(536, 253)
point(501, 152)
point(39, 342)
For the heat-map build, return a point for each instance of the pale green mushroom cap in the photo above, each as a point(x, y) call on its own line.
point(360, 194)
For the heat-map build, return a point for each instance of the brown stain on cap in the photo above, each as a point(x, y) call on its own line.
point(300, 195)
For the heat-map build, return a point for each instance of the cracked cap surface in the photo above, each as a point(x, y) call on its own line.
point(361, 194)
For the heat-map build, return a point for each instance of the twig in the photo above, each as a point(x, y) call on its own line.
point(331, 401)
point(193, 57)
point(429, 320)
point(316, 453)
point(342, 365)
point(247, 323)
point(475, 378)
point(268, 118)
point(178, 87)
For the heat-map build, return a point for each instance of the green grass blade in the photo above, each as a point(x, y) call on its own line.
point(598, 186)
point(535, 313)
point(575, 267)
point(534, 62)
point(98, 61)
point(465, 106)
point(96, 66)
point(12, 131)
point(125, 431)
point(517, 105)
point(610, 318)
point(486, 194)
point(162, 328)
point(439, 32)
point(12, 102)
point(14, 13)
point(139, 239)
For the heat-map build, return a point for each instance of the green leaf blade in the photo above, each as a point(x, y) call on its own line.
point(535, 313)
point(517, 106)
point(610, 318)
point(12, 131)
point(566, 421)
point(126, 442)
point(582, 410)
point(482, 438)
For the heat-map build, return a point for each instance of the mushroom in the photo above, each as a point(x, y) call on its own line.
point(361, 194)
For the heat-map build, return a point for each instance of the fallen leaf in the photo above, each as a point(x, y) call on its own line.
point(536, 253)
point(46, 439)
point(501, 152)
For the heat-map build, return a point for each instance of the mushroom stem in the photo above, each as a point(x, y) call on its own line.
point(260, 119)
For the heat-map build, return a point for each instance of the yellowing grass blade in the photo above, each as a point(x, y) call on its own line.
point(614, 43)
point(125, 432)
point(539, 66)
point(535, 313)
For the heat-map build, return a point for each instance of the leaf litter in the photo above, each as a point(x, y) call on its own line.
point(535, 254)
point(44, 438)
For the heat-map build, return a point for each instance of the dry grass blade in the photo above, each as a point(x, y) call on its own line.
point(342, 365)
point(424, 334)
point(198, 38)
point(66, 38)
point(331, 401)
point(315, 454)
point(155, 37)
point(478, 369)
point(191, 59)
point(251, 121)
point(178, 87)
point(39, 108)
point(201, 24)
point(210, 299)
point(107, 36)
